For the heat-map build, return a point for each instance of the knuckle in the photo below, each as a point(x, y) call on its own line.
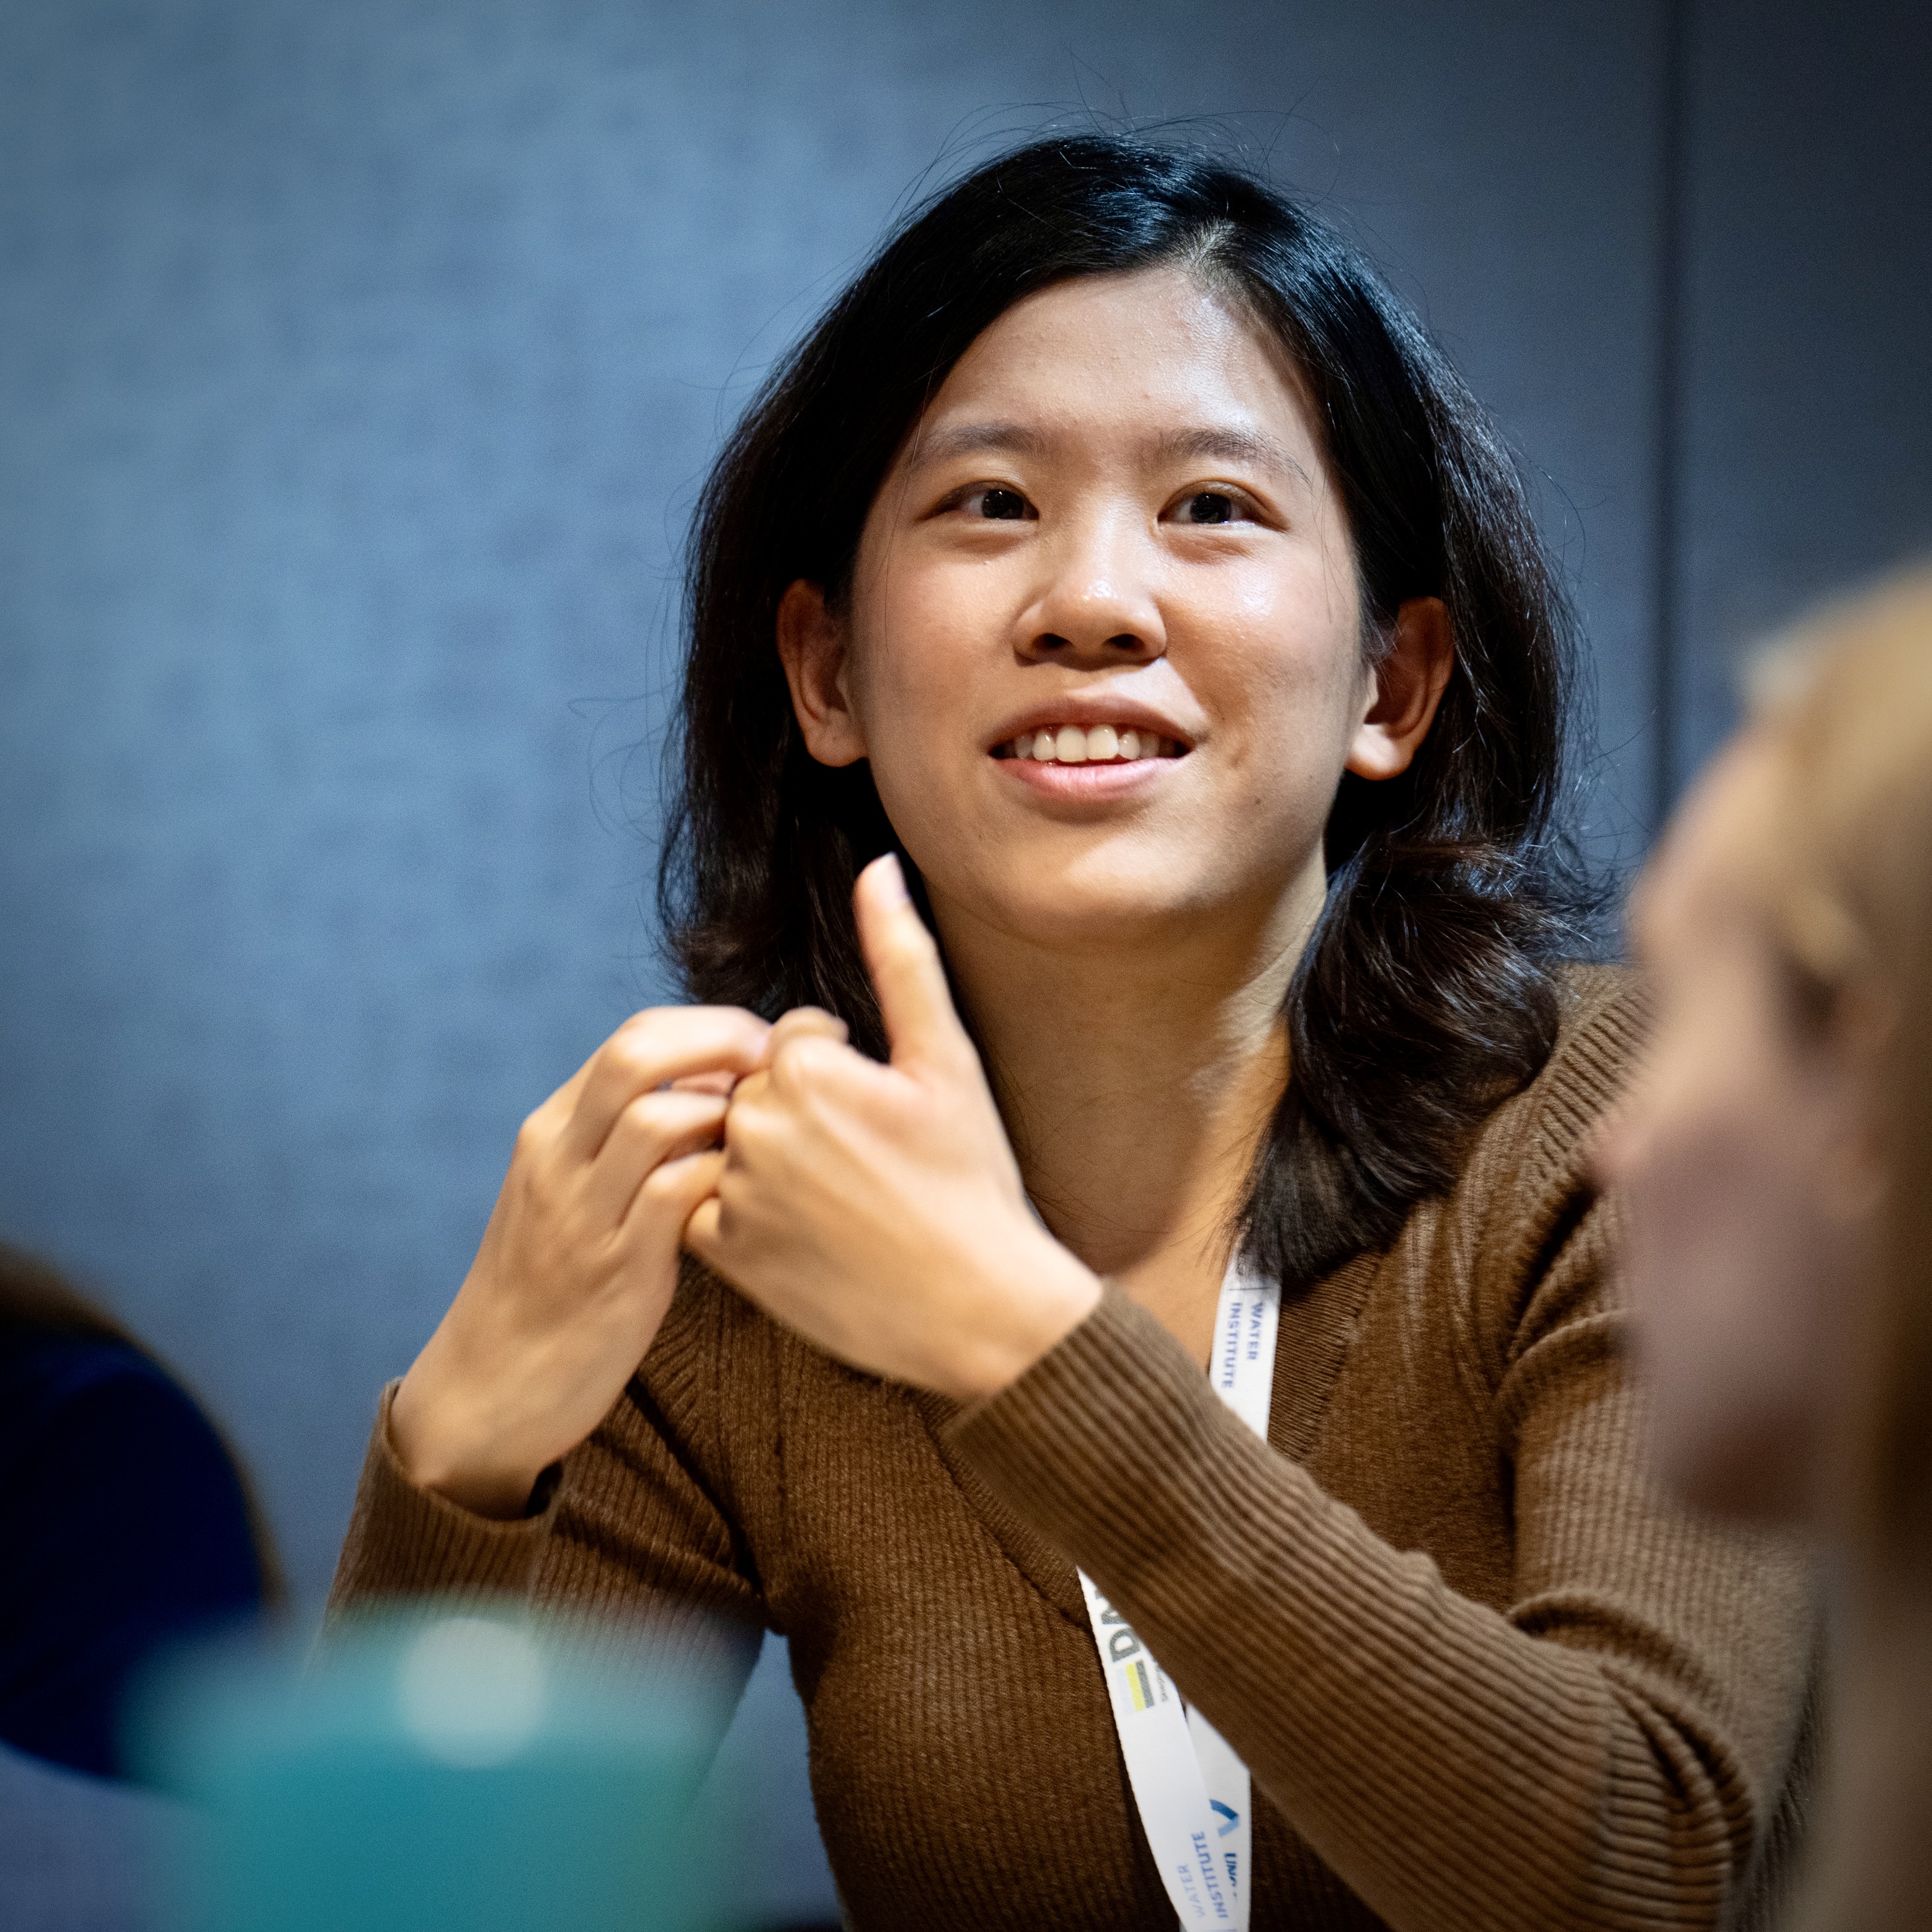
point(648, 1035)
point(681, 1184)
point(662, 1184)
point(624, 1046)
point(709, 1222)
point(623, 1057)
point(650, 1040)
point(637, 1124)
point(800, 1060)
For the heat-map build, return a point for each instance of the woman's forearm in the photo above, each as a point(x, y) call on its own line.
point(1454, 1769)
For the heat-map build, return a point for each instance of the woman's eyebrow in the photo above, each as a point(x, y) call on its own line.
point(1231, 446)
point(1224, 442)
point(942, 445)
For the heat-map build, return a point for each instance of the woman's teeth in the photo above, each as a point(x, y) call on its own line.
point(1101, 744)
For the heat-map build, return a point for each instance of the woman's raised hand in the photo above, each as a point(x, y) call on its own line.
point(878, 1210)
point(579, 1259)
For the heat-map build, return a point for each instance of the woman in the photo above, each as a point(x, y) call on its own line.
point(1775, 1157)
point(1118, 558)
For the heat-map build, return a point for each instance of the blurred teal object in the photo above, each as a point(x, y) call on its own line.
point(450, 1767)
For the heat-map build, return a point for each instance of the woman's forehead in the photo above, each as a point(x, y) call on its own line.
point(1159, 354)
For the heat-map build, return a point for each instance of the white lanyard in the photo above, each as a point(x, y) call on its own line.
point(1191, 1789)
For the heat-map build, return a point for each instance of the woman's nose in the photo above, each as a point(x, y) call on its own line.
point(1097, 604)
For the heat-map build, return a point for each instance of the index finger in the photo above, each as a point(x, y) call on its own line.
point(661, 1044)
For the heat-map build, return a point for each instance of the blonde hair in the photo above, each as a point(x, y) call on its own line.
point(1845, 702)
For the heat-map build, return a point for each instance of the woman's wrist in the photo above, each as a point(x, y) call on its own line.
point(434, 1434)
point(1058, 1292)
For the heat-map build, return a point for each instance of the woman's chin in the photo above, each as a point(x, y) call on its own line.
point(1100, 909)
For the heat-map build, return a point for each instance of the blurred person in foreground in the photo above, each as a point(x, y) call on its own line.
point(1777, 1160)
point(129, 1525)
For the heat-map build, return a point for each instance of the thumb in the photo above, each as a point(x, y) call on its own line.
point(914, 999)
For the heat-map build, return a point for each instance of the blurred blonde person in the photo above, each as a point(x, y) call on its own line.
point(1776, 1156)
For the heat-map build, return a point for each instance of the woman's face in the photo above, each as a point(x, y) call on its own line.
point(1743, 1155)
point(1111, 536)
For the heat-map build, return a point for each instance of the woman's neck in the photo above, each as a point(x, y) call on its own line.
point(1137, 1081)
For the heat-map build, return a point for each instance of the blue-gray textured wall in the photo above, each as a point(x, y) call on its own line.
point(358, 366)
point(1805, 323)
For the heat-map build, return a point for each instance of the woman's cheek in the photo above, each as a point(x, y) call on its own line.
point(911, 684)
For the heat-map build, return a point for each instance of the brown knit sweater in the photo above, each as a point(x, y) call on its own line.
point(1483, 1675)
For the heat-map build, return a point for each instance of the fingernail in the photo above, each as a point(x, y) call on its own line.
point(891, 877)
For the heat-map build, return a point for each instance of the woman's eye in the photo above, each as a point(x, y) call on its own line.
point(997, 506)
point(1208, 506)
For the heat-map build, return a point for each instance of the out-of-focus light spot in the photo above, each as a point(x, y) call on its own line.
point(472, 1691)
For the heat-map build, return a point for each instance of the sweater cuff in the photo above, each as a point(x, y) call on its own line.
point(1106, 1417)
point(404, 1540)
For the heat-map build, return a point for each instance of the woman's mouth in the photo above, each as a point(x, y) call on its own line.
point(1090, 745)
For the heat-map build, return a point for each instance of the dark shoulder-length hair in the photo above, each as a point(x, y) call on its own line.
point(1427, 992)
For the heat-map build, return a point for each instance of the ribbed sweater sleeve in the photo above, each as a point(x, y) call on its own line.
point(1564, 1764)
point(1604, 1752)
point(632, 1530)
point(405, 1540)
point(638, 1602)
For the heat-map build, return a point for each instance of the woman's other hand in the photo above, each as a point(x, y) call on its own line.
point(878, 1210)
point(580, 1260)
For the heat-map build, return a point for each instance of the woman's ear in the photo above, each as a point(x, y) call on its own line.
point(1408, 685)
point(811, 647)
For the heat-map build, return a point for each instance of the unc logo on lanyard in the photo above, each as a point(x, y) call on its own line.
point(1189, 1788)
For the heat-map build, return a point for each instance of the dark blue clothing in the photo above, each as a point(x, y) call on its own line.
point(123, 1527)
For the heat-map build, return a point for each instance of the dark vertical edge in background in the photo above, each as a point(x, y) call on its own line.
point(1667, 481)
